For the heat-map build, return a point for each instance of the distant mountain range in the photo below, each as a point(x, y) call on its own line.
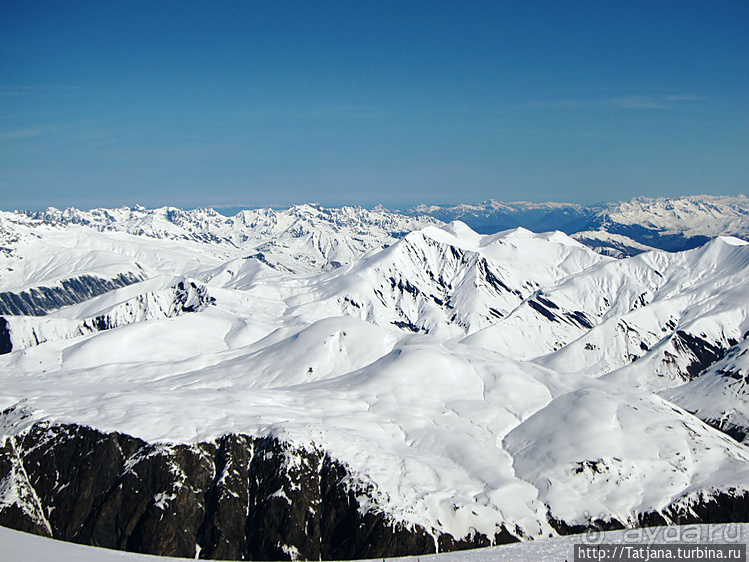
point(319, 383)
point(339, 234)
point(668, 224)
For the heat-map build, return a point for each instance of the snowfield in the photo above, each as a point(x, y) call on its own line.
point(31, 548)
point(474, 383)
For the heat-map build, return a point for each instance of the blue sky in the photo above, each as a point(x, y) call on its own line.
point(257, 103)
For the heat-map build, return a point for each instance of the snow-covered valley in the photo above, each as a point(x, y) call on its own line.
point(343, 383)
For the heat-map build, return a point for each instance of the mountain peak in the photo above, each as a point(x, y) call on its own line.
point(457, 385)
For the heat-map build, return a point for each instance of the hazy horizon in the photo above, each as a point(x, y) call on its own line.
point(275, 103)
point(232, 210)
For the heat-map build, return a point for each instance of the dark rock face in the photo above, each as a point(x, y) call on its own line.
point(227, 500)
point(238, 498)
point(738, 432)
point(564, 528)
point(312, 513)
point(191, 297)
point(6, 346)
point(38, 301)
point(703, 352)
point(723, 507)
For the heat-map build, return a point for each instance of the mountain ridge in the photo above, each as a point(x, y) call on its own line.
point(665, 223)
point(466, 388)
point(636, 225)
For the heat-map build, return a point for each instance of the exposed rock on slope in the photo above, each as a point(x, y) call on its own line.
point(238, 498)
point(720, 395)
point(19, 332)
point(38, 301)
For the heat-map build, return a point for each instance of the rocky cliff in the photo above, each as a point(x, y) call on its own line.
point(239, 498)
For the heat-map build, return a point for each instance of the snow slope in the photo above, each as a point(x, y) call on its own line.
point(610, 244)
point(32, 548)
point(474, 382)
point(721, 394)
point(643, 308)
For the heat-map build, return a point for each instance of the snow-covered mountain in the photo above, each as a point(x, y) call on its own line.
point(495, 216)
point(434, 390)
point(690, 217)
point(666, 223)
point(610, 244)
point(300, 239)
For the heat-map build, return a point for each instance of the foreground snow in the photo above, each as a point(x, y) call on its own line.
point(32, 548)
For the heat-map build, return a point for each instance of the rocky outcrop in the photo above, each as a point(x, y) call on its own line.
point(237, 498)
point(722, 507)
point(701, 352)
point(738, 432)
point(6, 345)
point(719, 507)
point(184, 297)
point(38, 301)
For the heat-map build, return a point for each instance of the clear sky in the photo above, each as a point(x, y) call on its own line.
point(256, 103)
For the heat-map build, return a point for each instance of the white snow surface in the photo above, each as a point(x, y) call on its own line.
point(688, 216)
point(301, 239)
point(429, 367)
point(697, 215)
point(721, 394)
point(32, 548)
point(611, 244)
